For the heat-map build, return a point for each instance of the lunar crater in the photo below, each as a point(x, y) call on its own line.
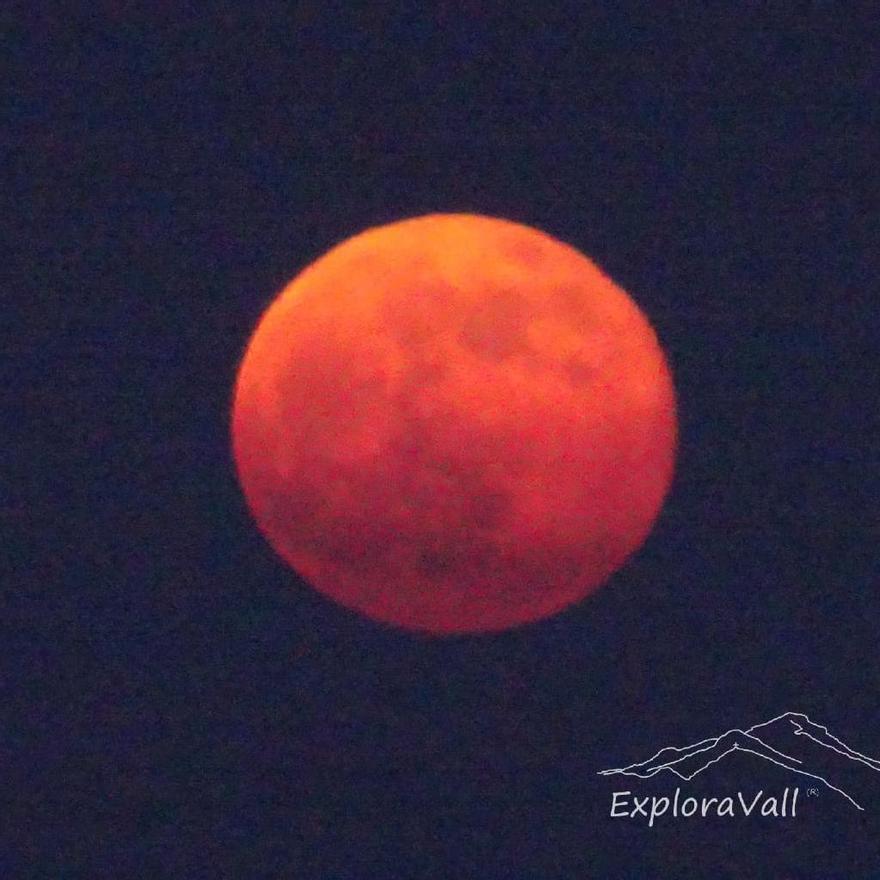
point(496, 326)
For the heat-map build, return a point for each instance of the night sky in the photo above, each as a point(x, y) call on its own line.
point(177, 703)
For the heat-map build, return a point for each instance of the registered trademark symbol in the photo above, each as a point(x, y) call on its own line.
point(812, 792)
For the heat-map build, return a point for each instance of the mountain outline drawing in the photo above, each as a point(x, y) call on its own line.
point(767, 740)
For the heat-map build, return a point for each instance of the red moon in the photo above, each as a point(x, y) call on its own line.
point(454, 423)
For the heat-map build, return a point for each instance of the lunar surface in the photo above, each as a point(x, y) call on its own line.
point(454, 423)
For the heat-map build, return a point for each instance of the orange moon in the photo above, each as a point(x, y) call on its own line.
point(454, 423)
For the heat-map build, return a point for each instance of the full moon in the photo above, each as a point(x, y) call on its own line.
point(454, 424)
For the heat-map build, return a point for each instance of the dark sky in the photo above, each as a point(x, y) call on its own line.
point(178, 704)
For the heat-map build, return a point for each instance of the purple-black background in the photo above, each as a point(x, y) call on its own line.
point(178, 704)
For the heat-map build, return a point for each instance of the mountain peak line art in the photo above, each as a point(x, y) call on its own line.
point(772, 740)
